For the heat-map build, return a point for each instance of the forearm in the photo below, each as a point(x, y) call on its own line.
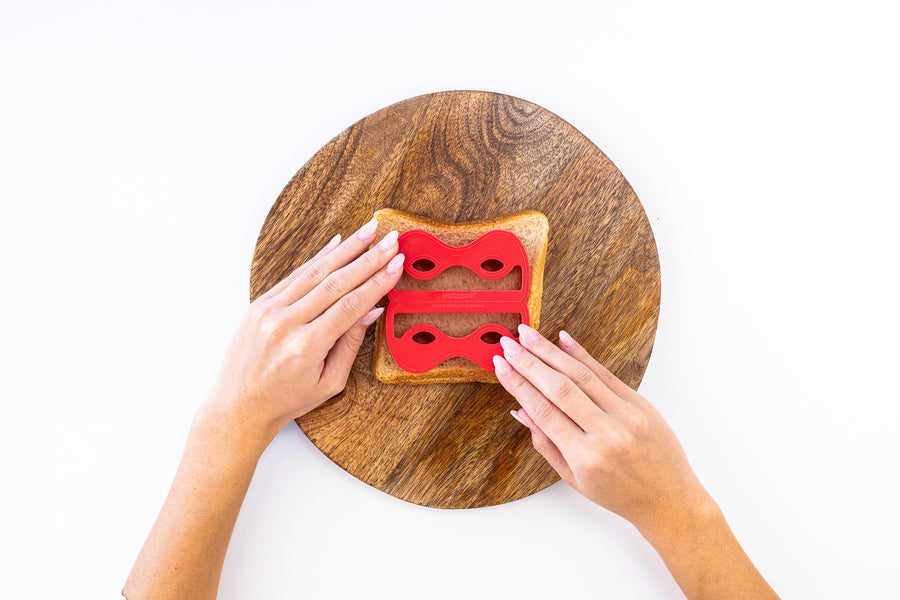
point(183, 555)
point(703, 555)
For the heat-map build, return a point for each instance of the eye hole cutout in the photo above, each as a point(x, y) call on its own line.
point(423, 265)
point(492, 265)
point(423, 337)
point(491, 337)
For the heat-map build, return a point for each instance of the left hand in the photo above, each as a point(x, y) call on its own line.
point(297, 342)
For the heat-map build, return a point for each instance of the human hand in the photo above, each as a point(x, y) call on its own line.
point(296, 344)
point(603, 438)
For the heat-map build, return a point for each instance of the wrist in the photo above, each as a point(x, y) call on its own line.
point(682, 523)
point(236, 429)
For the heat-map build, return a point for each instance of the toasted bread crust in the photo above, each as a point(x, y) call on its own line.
point(530, 226)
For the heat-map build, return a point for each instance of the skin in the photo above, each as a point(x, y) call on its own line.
point(294, 350)
point(611, 445)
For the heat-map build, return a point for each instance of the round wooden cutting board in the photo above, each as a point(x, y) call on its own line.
point(463, 156)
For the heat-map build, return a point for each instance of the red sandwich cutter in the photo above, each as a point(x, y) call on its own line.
point(422, 347)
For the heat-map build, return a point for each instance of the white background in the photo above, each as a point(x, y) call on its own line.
point(142, 145)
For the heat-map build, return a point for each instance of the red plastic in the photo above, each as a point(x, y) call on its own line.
point(418, 246)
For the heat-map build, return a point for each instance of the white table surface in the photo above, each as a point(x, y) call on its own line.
point(142, 145)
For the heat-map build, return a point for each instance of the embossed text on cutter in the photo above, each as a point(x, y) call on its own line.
point(492, 256)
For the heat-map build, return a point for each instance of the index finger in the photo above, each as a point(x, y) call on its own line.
point(317, 270)
point(576, 370)
point(347, 278)
point(556, 424)
point(332, 324)
point(553, 383)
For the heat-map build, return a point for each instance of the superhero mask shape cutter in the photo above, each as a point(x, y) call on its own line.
point(424, 346)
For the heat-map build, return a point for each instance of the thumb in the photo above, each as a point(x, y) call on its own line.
point(341, 356)
point(546, 448)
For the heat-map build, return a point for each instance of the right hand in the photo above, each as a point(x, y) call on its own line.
point(603, 438)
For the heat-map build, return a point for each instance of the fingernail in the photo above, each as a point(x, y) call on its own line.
point(510, 347)
point(333, 243)
point(388, 241)
point(565, 339)
point(527, 334)
point(367, 231)
point(501, 367)
point(515, 415)
point(395, 265)
point(372, 316)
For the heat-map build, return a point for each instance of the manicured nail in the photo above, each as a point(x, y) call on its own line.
point(510, 347)
point(501, 367)
point(526, 334)
point(367, 231)
point(372, 316)
point(388, 241)
point(332, 244)
point(395, 265)
point(565, 339)
point(515, 415)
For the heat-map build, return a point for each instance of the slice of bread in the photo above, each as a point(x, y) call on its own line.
point(530, 226)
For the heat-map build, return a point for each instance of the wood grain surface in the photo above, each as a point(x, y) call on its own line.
point(464, 156)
